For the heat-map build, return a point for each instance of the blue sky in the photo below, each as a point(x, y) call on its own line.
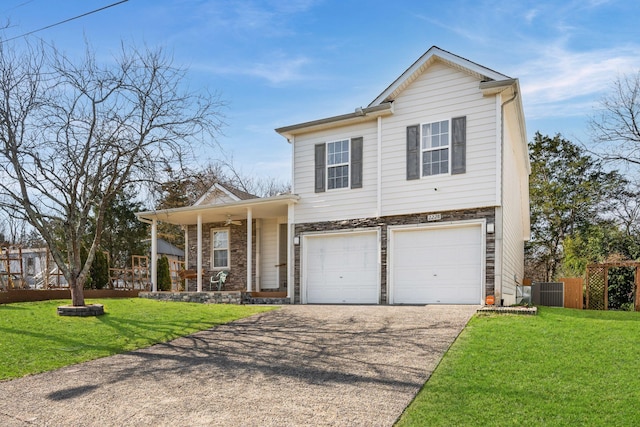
point(281, 62)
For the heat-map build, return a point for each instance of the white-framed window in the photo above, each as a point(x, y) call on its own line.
point(219, 248)
point(338, 164)
point(435, 144)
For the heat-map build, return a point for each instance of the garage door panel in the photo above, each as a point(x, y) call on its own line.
point(342, 268)
point(437, 265)
point(441, 275)
point(420, 295)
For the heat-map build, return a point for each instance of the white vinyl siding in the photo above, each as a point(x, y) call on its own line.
point(341, 203)
point(269, 253)
point(440, 92)
point(514, 211)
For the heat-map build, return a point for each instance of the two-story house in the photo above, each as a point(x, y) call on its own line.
point(421, 197)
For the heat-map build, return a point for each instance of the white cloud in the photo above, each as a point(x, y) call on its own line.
point(562, 82)
point(277, 70)
point(530, 15)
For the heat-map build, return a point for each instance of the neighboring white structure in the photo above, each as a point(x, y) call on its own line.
point(27, 268)
point(421, 197)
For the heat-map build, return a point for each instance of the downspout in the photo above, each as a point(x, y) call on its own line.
point(499, 225)
point(293, 159)
point(291, 230)
point(379, 183)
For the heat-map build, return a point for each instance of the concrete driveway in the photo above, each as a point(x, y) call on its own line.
point(300, 365)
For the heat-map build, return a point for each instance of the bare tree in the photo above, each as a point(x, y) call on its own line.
point(617, 125)
point(260, 186)
point(73, 134)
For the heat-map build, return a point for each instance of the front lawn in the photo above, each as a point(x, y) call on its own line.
point(33, 338)
point(562, 367)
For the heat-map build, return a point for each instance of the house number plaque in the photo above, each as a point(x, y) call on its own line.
point(434, 217)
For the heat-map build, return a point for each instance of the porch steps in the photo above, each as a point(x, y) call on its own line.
point(275, 298)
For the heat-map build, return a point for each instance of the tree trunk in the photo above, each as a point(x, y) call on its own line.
point(77, 293)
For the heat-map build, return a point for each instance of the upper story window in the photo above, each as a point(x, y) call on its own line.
point(219, 248)
point(435, 148)
point(338, 164)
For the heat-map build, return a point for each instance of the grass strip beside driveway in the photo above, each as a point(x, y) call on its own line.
point(33, 338)
point(561, 367)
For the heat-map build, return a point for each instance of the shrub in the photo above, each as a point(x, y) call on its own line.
point(99, 273)
point(164, 275)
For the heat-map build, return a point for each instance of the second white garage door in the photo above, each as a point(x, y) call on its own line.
point(436, 265)
point(341, 268)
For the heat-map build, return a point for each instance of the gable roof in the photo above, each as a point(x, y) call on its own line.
point(383, 104)
point(417, 68)
point(230, 193)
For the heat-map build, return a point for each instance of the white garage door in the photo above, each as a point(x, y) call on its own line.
point(341, 268)
point(437, 265)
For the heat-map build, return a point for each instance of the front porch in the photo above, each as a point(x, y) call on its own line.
point(248, 239)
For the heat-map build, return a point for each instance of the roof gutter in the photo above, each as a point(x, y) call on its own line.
point(359, 115)
point(292, 198)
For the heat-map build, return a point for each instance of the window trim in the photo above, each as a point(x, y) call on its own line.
point(347, 164)
point(213, 249)
point(423, 150)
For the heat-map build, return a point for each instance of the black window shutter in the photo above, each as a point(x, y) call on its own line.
point(458, 145)
point(356, 162)
point(413, 152)
point(321, 158)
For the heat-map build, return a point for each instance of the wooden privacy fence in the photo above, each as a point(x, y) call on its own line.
point(573, 292)
point(28, 295)
point(566, 292)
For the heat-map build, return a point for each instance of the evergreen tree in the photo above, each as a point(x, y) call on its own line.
point(164, 274)
point(123, 235)
point(99, 271)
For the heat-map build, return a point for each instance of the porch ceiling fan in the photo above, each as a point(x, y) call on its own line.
point(230, 221)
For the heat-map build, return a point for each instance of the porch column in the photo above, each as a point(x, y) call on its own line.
point(154, 255)
point(199, 257)
point(186, 256)
point(290, 252)
point(249, 250)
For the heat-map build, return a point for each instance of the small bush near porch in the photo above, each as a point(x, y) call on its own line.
point(563, 367)
point(33, 338)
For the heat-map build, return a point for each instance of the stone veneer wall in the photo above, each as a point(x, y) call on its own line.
point(235, 297)
point(237, 280)
point(383, 223)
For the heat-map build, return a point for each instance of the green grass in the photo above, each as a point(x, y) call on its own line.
point(33, 338)
point(562, 367)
